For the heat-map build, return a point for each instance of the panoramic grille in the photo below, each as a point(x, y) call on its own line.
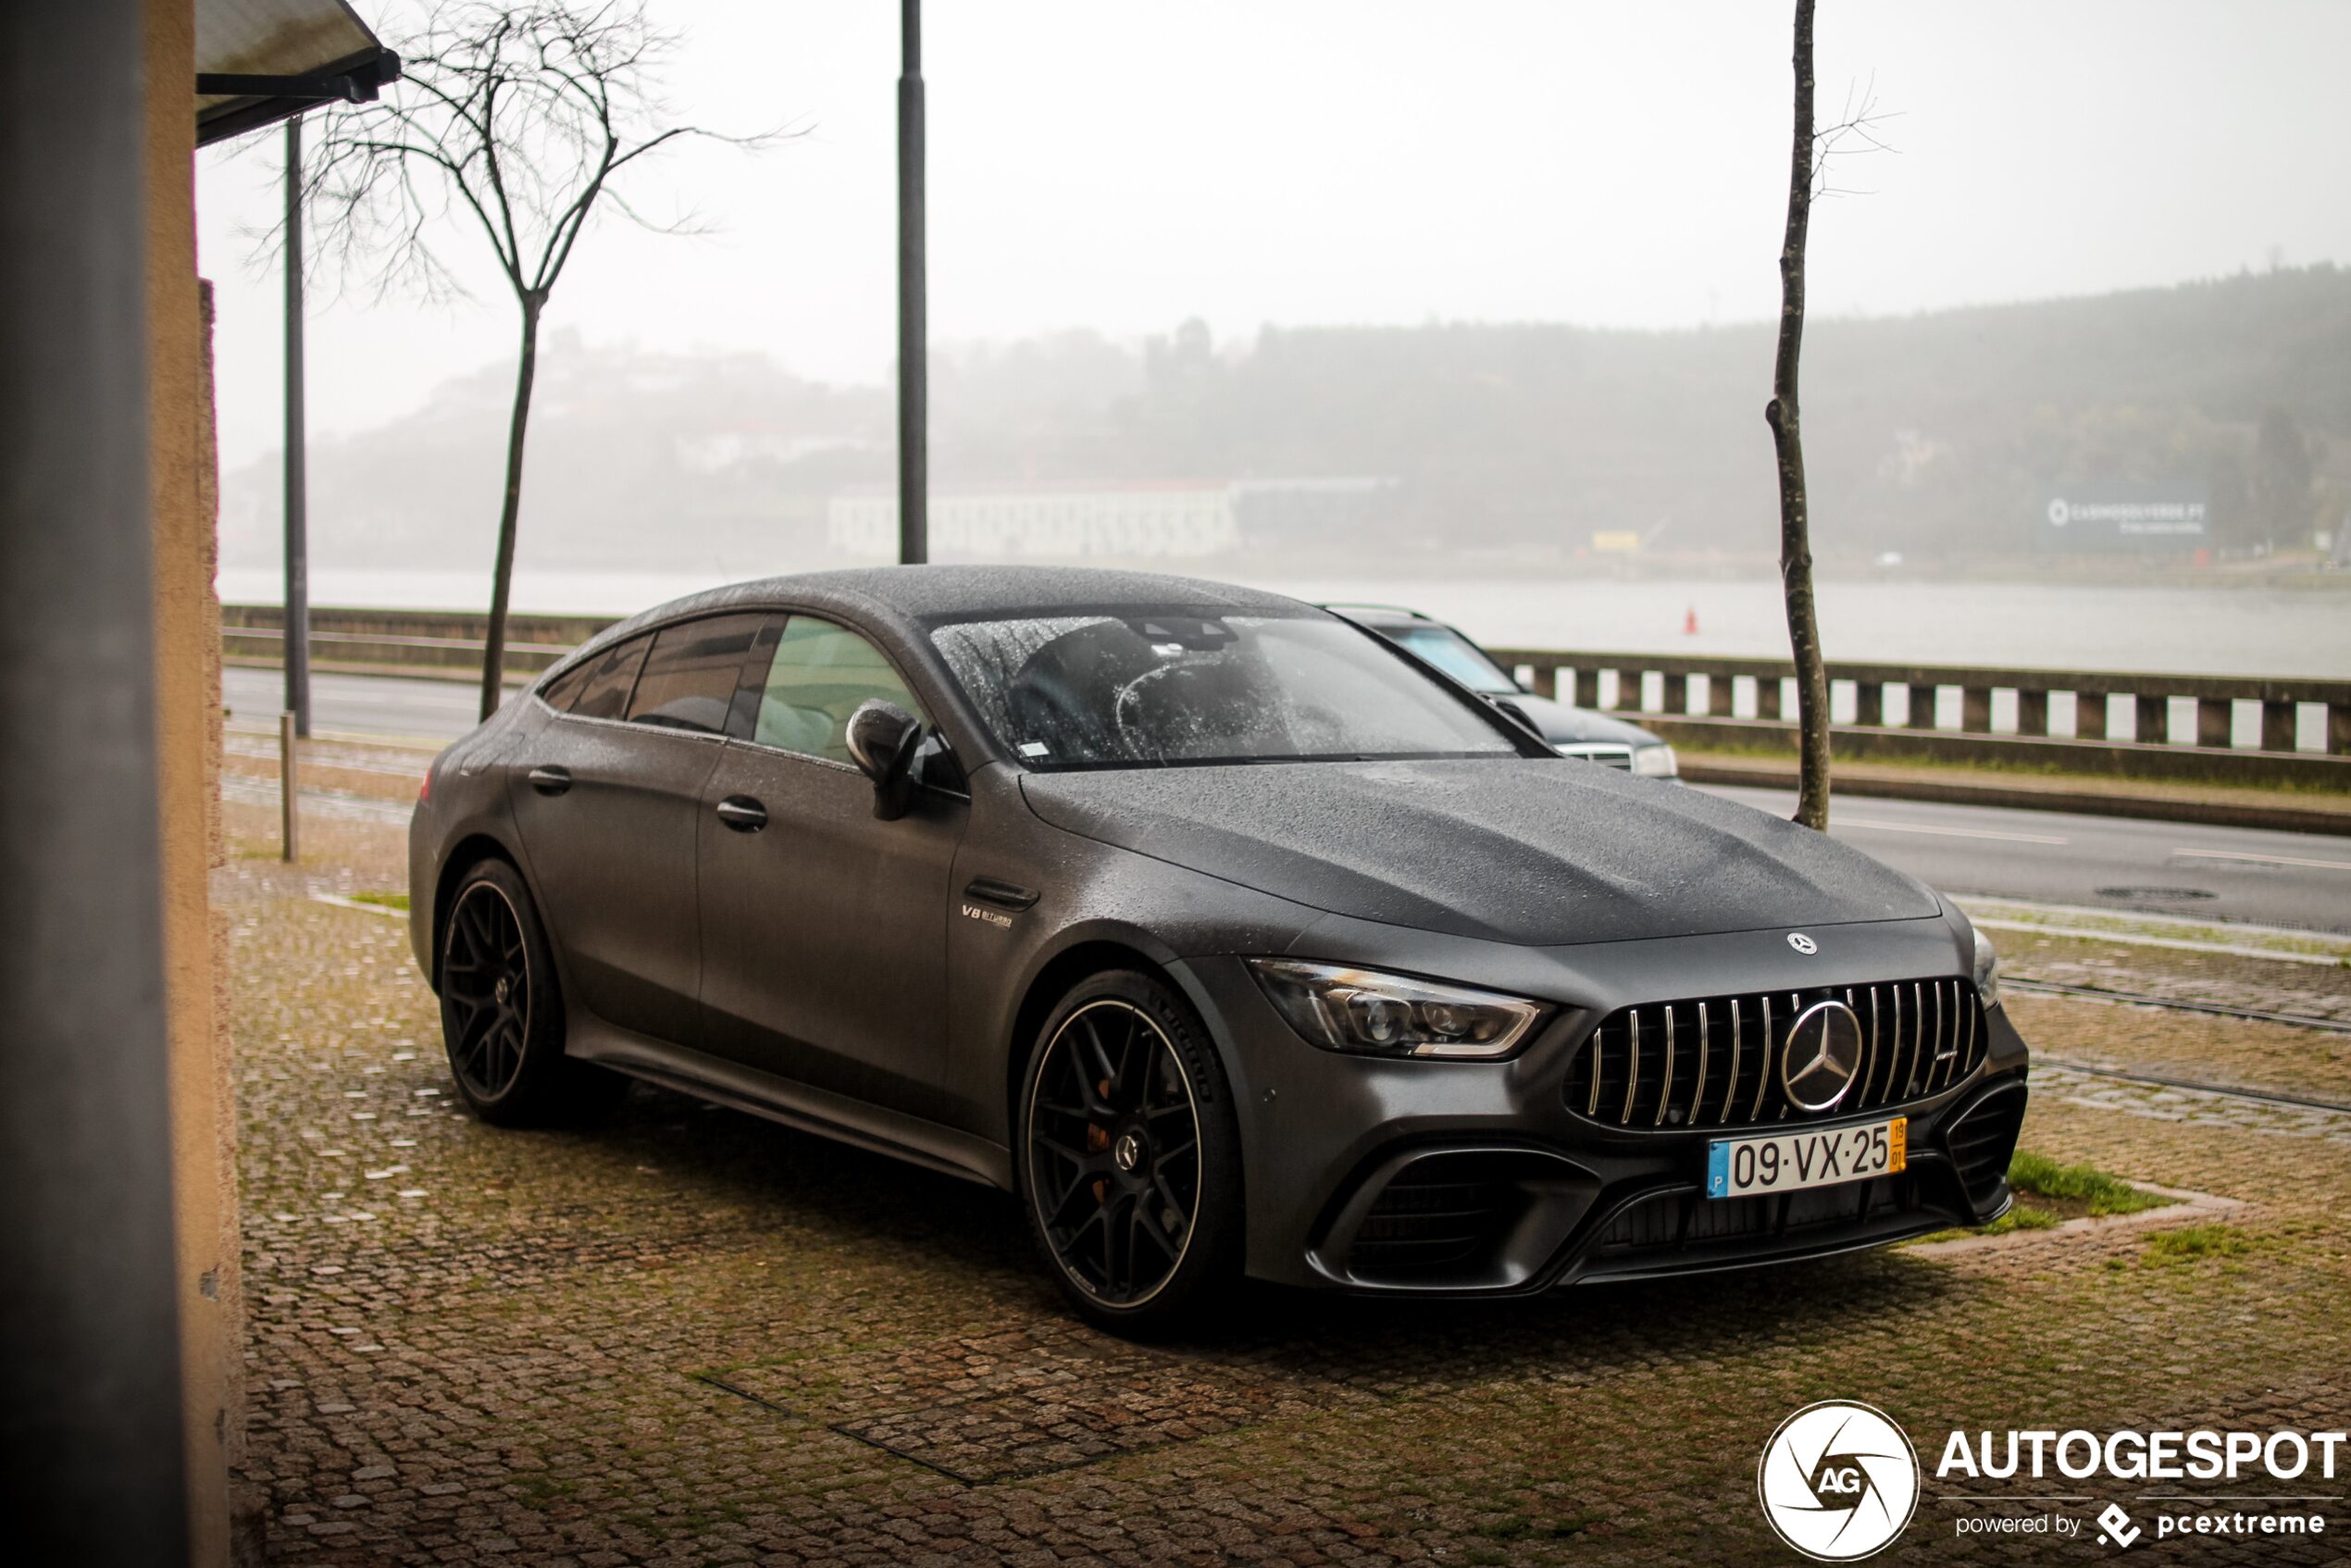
point(1715, 1062)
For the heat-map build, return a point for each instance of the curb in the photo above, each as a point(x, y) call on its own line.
point(2185, 1205)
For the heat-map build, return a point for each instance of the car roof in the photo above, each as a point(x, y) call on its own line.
point(899, 597)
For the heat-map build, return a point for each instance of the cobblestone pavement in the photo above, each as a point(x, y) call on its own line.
point(692, 1336)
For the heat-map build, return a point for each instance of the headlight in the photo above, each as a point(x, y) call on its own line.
point(1359, 1010)
point(1988, 971)
point(1655, 762)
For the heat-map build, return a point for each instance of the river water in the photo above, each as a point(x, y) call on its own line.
point(2218, 630)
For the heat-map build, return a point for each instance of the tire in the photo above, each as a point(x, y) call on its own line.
point(502, 1009)
point(1126, 1155)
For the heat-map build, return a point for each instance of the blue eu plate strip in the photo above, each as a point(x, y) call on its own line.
point(1718, 1170)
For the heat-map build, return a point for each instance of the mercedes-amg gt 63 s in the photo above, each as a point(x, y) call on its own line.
point(1228, 935)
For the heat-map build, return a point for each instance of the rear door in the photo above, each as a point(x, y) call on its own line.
point(824, 930)
point(607, 796)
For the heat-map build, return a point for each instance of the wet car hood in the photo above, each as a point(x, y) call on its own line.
point(1531, 851)
point(1562, 723)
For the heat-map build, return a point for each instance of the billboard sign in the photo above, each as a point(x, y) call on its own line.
point(2120, 517)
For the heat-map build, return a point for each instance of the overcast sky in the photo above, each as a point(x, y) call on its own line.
point(1121, 166)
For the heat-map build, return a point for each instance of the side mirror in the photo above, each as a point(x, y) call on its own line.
point(881, 738)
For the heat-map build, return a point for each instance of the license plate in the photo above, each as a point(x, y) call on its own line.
point(1785, 1161)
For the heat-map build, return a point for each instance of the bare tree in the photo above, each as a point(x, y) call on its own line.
point(1809, 156)
point(519, 117)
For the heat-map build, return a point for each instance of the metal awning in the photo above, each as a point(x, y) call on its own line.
point(260, 61)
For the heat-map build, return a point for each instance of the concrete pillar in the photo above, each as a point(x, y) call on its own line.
point(92, 1432)
point(2215, 720)
point(2278, 725)
point(2033, 713)
point(1975, 710)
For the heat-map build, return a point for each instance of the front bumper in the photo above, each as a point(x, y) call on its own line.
point(1456, 1178)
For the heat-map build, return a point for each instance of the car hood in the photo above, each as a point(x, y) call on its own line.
point(1531, 851)
point(1564, 725)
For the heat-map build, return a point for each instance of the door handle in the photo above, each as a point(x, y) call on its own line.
point(551, 781)
point(742, 814)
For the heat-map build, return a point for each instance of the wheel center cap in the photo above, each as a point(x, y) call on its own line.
point(504, 989)
point(1127, 1152)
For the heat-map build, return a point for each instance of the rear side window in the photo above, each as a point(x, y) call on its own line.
point(820, 675)
point(599, 688)
point(691, 675)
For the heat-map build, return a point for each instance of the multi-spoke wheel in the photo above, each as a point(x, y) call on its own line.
point(501, 1011)
point(1129, 1159)
point(485, 978)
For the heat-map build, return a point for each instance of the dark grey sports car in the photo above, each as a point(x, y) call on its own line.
point(1228, 935)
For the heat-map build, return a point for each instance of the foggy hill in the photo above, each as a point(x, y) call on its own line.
point(1937, 435)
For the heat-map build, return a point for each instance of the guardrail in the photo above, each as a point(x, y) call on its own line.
point(2190, 728)
point(429, 642)
point(2193, 729)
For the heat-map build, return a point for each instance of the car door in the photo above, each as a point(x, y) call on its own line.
point(824, 929)
point(607, 797)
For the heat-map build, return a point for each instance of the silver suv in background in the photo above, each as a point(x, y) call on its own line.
point(1577, 733)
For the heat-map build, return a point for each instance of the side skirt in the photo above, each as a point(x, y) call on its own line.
point(796, 1105)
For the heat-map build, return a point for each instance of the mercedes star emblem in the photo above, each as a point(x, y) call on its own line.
point(1803, 943)
point(1822, 1056)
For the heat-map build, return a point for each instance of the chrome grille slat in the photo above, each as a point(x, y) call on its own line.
point(1914, 1046)
point(1600, 1056)
point(1916, 1035)
point(1666, 1095)
point(1730, 1089)
point(1632, 1068)
point(1697, 1094)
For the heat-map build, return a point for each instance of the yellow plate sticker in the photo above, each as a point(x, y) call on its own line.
point(1897, 1139)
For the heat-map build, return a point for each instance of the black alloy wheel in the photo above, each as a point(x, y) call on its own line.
point(502, 1009)
point(485, 978)
point(1128, 1152)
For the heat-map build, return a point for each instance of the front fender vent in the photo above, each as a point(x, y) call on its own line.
point(1713, 1062)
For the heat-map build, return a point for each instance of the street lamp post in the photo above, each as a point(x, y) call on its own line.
point(297, 633)
point(913, 440)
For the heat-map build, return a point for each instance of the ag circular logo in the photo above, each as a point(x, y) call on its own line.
point(1838, 1481)
point(2060, 514)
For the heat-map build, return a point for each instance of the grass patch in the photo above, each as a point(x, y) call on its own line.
point(383, 901)
point(2082, 1187)
point(2190, 1243)
point(2020, 1216)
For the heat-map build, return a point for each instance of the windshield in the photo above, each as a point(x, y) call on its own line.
point(1148, 688)
point(1455, 655)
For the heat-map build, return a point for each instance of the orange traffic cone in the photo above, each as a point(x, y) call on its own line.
point(1690, 622)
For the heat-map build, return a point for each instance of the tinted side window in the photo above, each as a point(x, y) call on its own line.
point(561, 694)
point(605, 683)
point(820, 674)
point(689, 676)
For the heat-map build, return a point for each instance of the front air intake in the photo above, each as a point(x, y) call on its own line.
point(1983, 1141)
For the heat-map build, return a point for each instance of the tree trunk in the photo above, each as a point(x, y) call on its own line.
point(494, 659)
point(1787, 438)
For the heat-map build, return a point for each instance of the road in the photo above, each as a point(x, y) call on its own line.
point(2295, 879)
